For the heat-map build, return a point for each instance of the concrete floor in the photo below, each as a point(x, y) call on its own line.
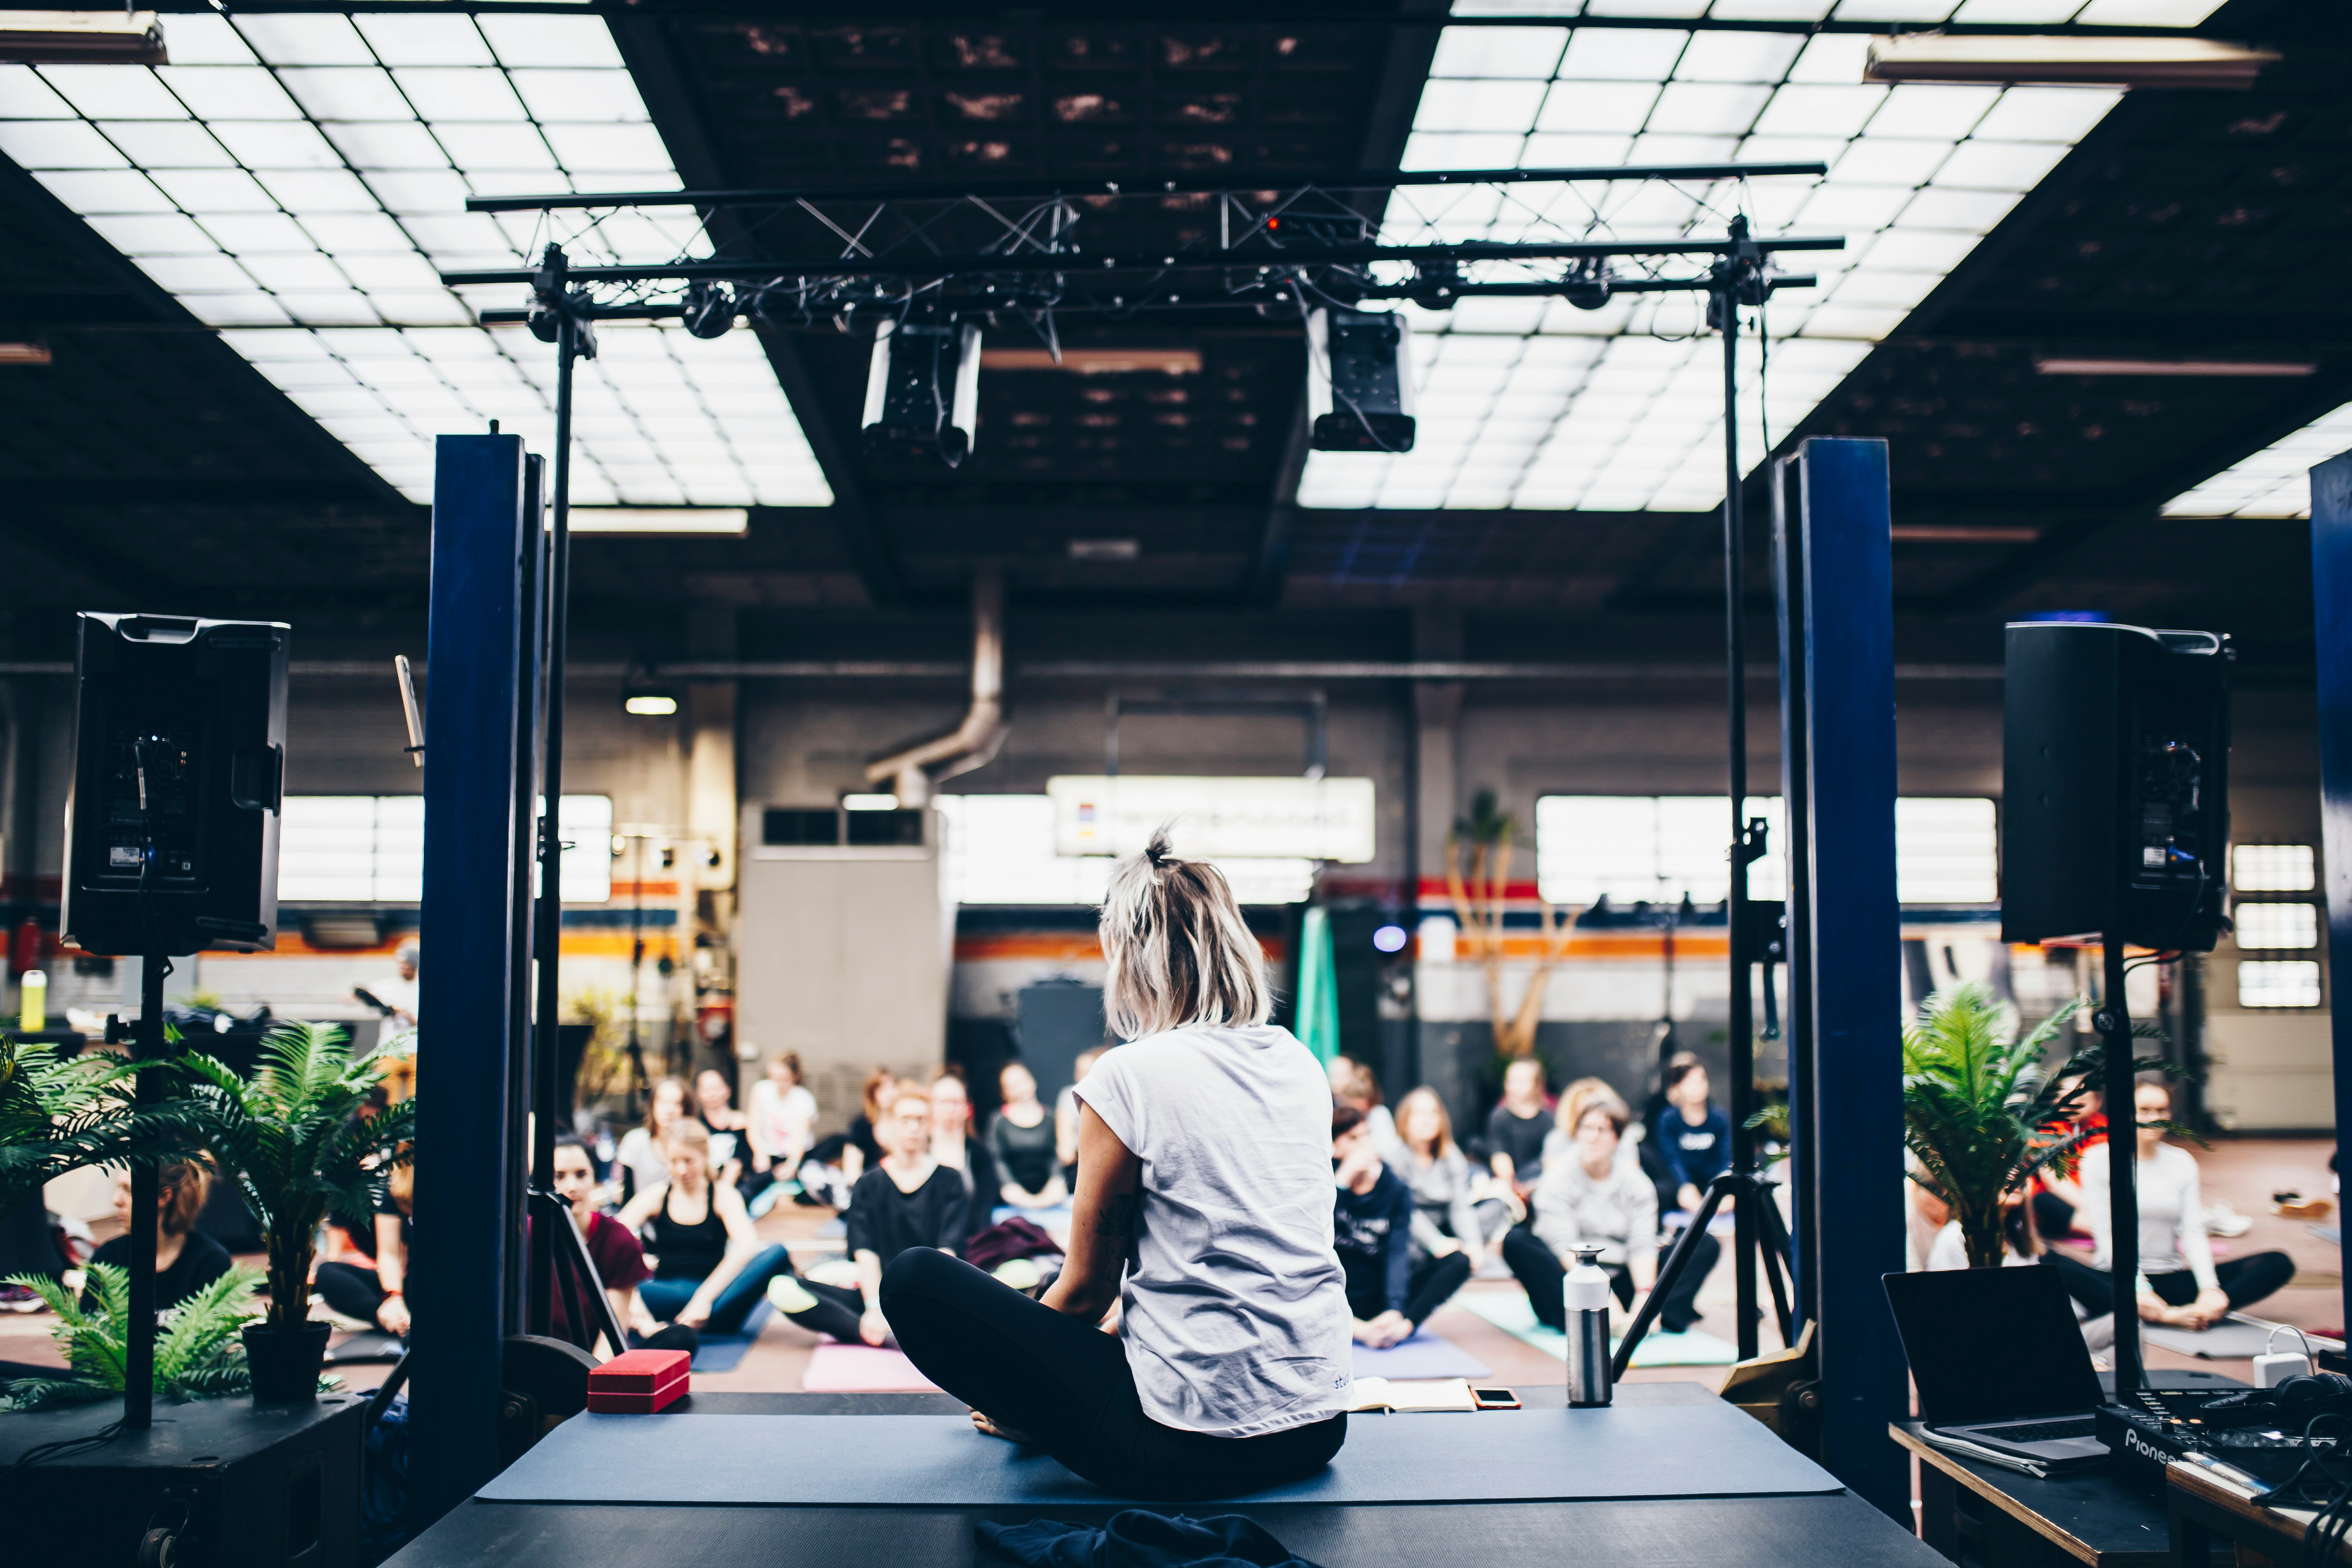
point(2244, 1174)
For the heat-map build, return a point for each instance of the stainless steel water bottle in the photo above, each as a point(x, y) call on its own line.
point(1586, 1296)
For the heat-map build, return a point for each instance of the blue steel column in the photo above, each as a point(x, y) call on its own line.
point(1856, 957)
point(1796, 932)
point(2331, 592)
point(466, 1159)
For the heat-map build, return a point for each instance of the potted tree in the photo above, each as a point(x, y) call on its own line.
point(60, 1113)
point(300, 1139)
point(1980, 1112)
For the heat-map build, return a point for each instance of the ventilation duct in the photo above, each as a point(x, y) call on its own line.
point(912, 773)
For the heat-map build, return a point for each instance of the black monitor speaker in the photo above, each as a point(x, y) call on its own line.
point(179, 771)
point(2114, 784)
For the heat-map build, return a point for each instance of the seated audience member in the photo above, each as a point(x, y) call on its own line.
point(644, 1153)
point(379, 1294)
point(1356, 1086)
point(2056, 1195)
point(1692, 1137)
point(186, 1260)
point(953, 1148)
point(2179, 1284)
point(709, 1267)
point(1517, 1128)
point(715, 1103)
point(1390, 1293)
point(1949, 1250)
point(911, 1200)
point(1066, 1114)
point(613, 1249)
point(839, 1159)
point(780, 1118)
point(1021, 1135)
point(1450, 1212)
point(1590, 1199)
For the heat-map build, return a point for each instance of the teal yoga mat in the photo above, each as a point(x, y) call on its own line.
point(1508, 1310)
point(1521, 1456)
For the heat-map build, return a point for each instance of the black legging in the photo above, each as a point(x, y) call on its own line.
point(2244, 1281)
point(350, 1288)
point(1067, 1386)
point(1431, 1284)
point(1541, 1273)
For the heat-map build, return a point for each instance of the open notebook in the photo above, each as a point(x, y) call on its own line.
point(1400, 1395)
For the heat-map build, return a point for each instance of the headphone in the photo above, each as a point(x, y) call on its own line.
point(2302, 1397)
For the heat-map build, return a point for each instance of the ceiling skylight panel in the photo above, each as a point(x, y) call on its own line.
point(2274, 482)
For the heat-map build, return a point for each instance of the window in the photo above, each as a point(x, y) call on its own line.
point(999, 849)
point(2278, 982)
point(1659, 848)
point(370, 849)
point(2277, 925)
point(2272, 869)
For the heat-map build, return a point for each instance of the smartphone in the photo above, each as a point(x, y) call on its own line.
point(1494, 1398)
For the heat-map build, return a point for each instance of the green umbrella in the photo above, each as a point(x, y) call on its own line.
point(1319, 987)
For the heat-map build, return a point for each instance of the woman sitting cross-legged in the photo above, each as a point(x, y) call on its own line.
point(1457, 1207)
point(709, 1267)
point(908, 1202)
point(1391, 1292)
point(1021, 1136)
point(1591, 1199)
point(1205, 1172)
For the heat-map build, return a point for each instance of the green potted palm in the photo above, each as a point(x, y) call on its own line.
point(1982, 1114)
point(60, 1113)
point(197, 1352)
point(301, 1139)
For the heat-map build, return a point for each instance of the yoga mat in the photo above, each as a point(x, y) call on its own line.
point(2331, 1234)
point(1627, 1452)
point(721, 1352)
point(1424, 1355)
point(370, 1345)
point(1508, 1310)
point(863, 1369)
point(2228, 1340)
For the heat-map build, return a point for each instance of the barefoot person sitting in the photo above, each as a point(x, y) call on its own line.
point(908, 1201)
point(1204, 1171)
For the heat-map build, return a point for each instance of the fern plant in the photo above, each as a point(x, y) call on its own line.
point(198, 1352)
point(1982, 1114)
point(61, 1113)
point(298, 1141)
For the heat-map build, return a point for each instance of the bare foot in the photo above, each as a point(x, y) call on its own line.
point(986, 1427)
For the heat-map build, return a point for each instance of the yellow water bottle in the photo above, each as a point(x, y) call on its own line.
point(33, 994)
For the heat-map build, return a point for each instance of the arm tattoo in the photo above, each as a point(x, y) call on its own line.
point(1115, 1219)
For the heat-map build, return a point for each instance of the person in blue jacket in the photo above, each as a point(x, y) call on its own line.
point(1371, 1225)
point(1692, 1137)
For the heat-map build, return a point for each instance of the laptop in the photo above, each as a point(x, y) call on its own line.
point(2000, 1362)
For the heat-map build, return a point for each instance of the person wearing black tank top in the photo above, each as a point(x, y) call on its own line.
point(710, 1266)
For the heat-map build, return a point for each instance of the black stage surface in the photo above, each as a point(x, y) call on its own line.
point(1701, 1532)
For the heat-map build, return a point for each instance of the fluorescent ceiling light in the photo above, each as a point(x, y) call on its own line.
point(2275, 481)
point(24, 353)
point(1962, 533)
point(2171, 367)
point(659, 520)
point(1533, 402)
point(649, 704)
point(297, 179)
point(1105, 548)
point(2022, 12)
point(1096, 362)
point(82, 38)
point(2067, 61)
point(870, 803)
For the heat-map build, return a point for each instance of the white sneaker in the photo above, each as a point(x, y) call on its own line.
point(2221, 1219)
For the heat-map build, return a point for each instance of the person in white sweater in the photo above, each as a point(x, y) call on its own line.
point(2179, 1285)
point(1592, 1199)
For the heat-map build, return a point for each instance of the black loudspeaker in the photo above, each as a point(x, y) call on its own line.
point(1358, 381)
point(179, 770)
point(2114, 784)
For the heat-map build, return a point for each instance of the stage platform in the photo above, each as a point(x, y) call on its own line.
point(1681, 1522)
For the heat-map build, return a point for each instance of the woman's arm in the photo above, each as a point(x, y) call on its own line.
point(742, 1241)
point(872, 1327)
point(643, 1207)
point(1462, 1209)
point(1102, 1223)
point(392, 1273)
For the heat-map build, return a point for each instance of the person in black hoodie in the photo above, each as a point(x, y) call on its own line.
point(1371, 1225)
point(1692, 1137)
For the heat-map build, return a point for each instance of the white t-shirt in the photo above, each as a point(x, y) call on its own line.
point(1235, 1310)
point(777, 1117)
point(2171, 1213)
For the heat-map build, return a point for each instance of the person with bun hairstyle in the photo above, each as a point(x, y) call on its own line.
point(1205, 1172)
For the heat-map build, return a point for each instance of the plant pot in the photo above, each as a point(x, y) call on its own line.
point(285, 1362)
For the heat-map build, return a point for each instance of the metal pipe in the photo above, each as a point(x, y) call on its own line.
point(1740, 1024)
point(972, 743)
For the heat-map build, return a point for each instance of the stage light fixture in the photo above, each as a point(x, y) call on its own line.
point(710, 310)
point(922, 391)
point(2024, 59)
point(82, 38)
point(1358, 381)
point(1390, 938)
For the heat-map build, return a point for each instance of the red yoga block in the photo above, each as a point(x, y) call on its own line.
point(639, 1382)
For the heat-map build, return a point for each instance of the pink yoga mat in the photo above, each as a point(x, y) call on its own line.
point(862, 1368)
